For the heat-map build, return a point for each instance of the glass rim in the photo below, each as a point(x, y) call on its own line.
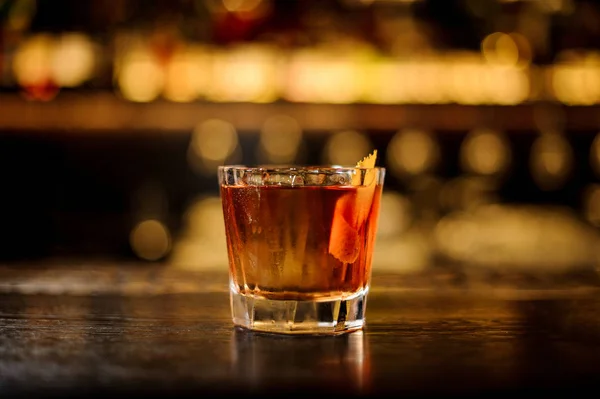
point(297, 168)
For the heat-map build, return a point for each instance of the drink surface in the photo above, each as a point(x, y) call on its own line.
point(300, 243)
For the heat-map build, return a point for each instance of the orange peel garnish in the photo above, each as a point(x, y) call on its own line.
point(344, 242)
point(351, 211)
point(368, 161)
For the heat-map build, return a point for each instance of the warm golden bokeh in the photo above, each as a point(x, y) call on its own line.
point(485, 114)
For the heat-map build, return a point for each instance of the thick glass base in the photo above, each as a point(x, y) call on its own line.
point(323, 317)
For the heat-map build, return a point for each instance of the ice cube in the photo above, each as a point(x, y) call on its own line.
point(252, 179)
point(297, 180)
point(340, 179)
point(287, 179)
point(314, 179)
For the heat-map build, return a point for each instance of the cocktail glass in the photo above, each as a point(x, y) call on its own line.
point(300, 245)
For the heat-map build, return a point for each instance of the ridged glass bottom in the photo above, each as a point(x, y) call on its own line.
point(322, 317)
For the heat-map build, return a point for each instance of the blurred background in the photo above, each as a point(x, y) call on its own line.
point(114, 115)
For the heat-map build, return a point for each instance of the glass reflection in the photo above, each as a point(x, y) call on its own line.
point(339, 364)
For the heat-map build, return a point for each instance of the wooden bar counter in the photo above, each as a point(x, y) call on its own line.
point(131, 330)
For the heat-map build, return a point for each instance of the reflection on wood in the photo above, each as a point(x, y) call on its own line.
point(416, 343)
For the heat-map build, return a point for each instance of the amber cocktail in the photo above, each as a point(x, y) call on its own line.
point(300, 244)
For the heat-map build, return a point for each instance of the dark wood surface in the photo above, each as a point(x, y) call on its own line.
point(419, 341)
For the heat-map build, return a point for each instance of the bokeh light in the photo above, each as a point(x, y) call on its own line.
point(557, 6)
point(32, 63)
point(237, 56)
point(187, 74)
point(346, 148)
point(467, 193)
point(150, 240)
point(389, 82)
point(241, 5)
point(551, 161)
point(461, 77)
point(575, 78)
point(402, 244)
point(465, 81)
point(396, 215)
point(507, 85)
point(213, 141)
point(202, 244)
point(576, 85)
point(412, 152)
point(485, 152)
point(504, 238)
point(140, 76)
point(246, 73)
point(280, 140)
point(73, 59)
point(397, 82)
point(455, 235)
point(324, 76)
point(506, 49)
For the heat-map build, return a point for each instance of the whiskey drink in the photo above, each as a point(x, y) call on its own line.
point(300, 243)
point(280, 238)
